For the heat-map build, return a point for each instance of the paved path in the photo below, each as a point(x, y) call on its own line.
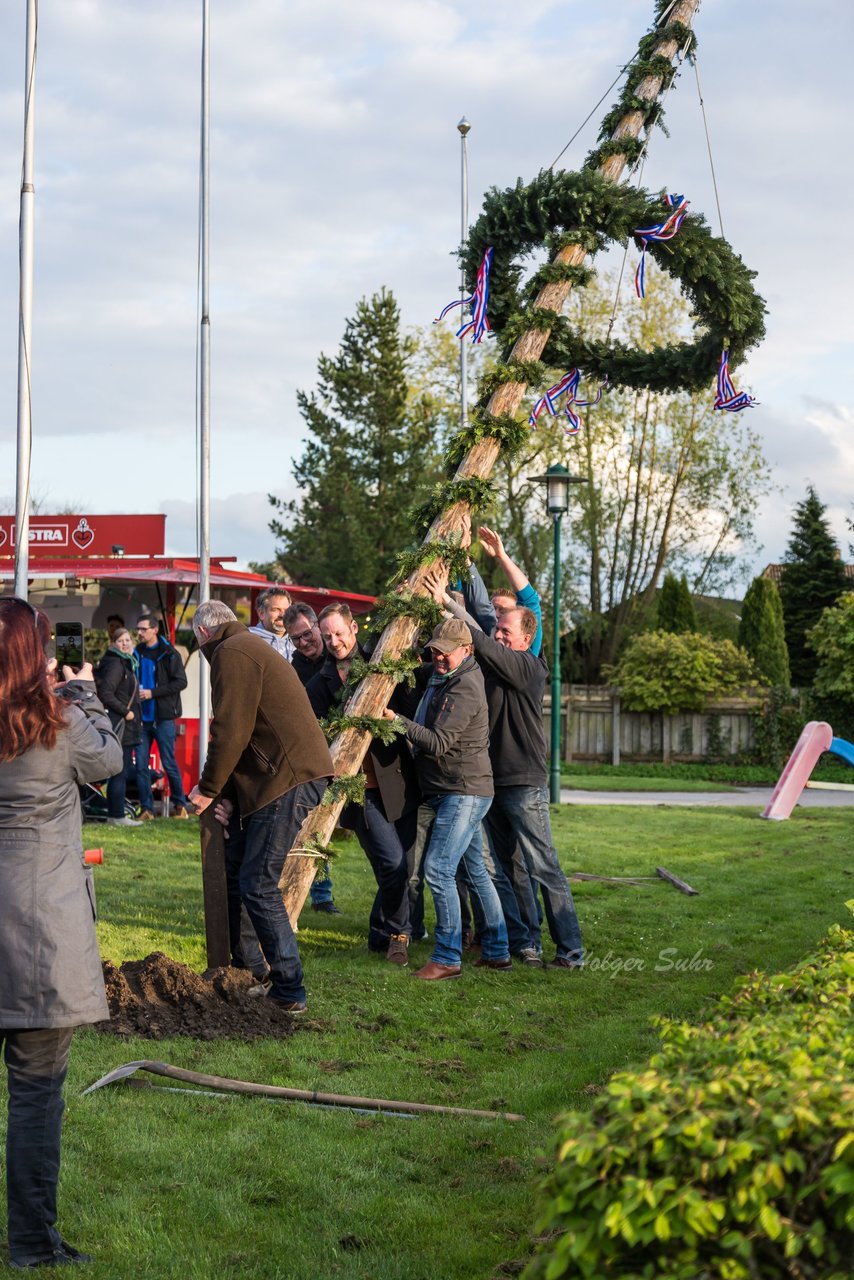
point(743, 797)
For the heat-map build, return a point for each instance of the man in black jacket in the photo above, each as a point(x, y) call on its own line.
point(385, 825)
point(515, 684)
point(161, 679)
point(304, 632)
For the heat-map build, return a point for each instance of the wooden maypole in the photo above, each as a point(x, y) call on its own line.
point(372, 694)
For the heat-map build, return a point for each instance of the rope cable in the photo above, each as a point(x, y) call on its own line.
point(708, 142)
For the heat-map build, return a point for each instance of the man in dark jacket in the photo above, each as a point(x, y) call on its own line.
point(304, 632)
point(450, 737)
point(515, 683)
point(385, 825)
point(161, 679)
point(268, 763)
point(309, 656)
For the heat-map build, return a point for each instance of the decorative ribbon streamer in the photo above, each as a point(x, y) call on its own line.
point(568, 386)
point(727, 397)
point(664, 230)
point(478, 325)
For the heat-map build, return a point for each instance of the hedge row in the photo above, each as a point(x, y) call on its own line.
point(731, 1156)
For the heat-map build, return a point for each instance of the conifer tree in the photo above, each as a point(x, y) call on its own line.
point(813, 580)
point(372, 452)
point(762, 634)
point(676, 611)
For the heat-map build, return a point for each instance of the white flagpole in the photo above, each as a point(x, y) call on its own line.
point(205, 381)
point(464, 128)
point(25, 316)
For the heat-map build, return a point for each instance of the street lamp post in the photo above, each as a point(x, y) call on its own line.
point(557, 481)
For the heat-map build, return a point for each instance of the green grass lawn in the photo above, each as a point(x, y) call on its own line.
point(163, 1185)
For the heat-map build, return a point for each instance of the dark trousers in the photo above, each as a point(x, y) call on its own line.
point(255, 853)
point(117, 784)
point(386, 846)
point(36, 1062)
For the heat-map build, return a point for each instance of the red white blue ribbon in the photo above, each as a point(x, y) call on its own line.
point(478, 325)
point(727, 398)
point(664, 230)
point(568, 387)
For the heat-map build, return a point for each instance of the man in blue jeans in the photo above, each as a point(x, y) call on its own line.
point(267, 768)
point(161, 679)
point(515, 682)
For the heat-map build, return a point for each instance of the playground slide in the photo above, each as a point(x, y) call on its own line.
point(843, 749)
point(815, 739)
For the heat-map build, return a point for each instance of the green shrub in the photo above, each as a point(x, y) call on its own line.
point(675, 606)
point(762, 634)
point(660, 671)
point(731, 1157)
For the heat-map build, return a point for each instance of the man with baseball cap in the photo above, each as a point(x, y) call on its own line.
point(450, 740)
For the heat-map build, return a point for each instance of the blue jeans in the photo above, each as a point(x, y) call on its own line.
point(520, 816)
point(515, 890)
point(321, 890)
point(37, 1062)
point(255, 854)
point(456, 838)
point(163, 733)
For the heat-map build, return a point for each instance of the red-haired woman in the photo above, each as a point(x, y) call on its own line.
point(51, 739)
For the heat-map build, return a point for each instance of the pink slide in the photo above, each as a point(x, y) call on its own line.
point(815, 739)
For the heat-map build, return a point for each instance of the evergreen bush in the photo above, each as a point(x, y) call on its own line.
point(731, 1155)
point(676, 611)
point(761, 632)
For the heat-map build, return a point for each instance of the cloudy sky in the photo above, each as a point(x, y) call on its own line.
point(335, 171)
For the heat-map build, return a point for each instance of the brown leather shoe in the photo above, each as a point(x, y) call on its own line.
point(433, 972)
point(483, 963)
point(398, 949)
point(180, 812)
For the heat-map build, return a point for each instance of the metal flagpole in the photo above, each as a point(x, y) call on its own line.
point(464, 128)
point(25, 316)
point(205, 382)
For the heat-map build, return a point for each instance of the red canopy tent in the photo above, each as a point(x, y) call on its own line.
point(84, 568)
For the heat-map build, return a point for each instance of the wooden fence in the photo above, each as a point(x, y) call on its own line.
point(594, 727)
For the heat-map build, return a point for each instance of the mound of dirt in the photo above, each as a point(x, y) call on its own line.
point(157, 997)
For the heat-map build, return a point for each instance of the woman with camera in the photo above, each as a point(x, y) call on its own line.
point(52, 739)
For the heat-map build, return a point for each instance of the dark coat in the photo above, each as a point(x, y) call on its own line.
point(452, 746)
point(118, 689)
point(392, 763)
point(169, 678)
point(264, 739)
point(515, 684)
point(50, 970)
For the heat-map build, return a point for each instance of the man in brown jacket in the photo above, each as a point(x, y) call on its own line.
point(268, 764)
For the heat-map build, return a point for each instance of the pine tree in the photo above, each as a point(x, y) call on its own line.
point(675, 607)
point(813, 580)
point(372, 453)
point(762, 634)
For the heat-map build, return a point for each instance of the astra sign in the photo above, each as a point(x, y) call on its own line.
point(88, 536)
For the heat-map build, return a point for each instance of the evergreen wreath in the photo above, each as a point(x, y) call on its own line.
point(560, 209)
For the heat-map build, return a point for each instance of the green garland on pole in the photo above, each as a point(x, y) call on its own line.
point(402, 668)
point(587, 209)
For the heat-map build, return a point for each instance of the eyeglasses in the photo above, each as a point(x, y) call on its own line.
point(144, 628)
point(303, 636)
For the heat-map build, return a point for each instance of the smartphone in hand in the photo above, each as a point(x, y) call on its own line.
point(69, 646)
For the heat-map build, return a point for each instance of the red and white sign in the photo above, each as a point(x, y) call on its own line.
point(88, 536)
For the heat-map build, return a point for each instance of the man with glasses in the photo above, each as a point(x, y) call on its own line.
point(304, 632)
point(161, 679)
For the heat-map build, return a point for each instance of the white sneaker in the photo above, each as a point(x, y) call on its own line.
point(124, 822)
